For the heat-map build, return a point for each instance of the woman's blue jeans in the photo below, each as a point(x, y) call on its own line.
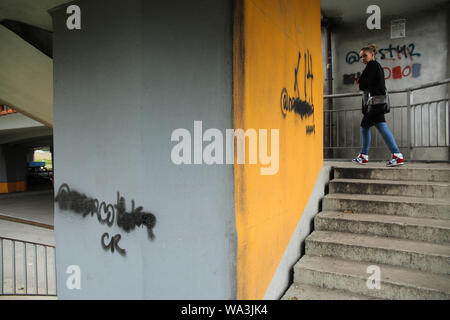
point(385, 133)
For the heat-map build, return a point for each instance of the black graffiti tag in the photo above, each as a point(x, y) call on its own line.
point(113, 244)
point(72, 200)
point(304, 108)
point(352, 57)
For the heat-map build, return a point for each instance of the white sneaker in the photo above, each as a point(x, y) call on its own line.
point(397, 160)
point(361, 159)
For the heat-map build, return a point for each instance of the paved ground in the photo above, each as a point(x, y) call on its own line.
point(32, 207)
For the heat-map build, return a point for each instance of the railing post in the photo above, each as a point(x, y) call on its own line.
point(410, 125)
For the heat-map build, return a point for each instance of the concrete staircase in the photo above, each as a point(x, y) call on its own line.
point(397, 219)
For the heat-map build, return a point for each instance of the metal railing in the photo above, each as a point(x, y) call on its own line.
point(27, 268)
point(415, 125)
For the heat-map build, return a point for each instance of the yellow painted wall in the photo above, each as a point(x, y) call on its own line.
point(7, 187)
point(268, 37)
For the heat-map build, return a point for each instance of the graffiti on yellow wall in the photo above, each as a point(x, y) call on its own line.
point(302, 107)
point(278, 84)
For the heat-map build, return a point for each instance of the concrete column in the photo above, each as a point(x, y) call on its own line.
point(139, 80)
point(13, 169)
point(134, 73)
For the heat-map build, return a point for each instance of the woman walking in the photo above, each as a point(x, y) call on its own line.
point(372, 81)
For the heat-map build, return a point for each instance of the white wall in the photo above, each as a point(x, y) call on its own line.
point(426, 34)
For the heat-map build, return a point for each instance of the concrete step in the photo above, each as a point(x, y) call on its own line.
point(404, 173)
point(307, 292)
point(424, 256)
point(395, 282)
point(391, 205)
point(422, 189)
point(410, 228)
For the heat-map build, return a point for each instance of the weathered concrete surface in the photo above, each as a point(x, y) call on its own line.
point(409, 172)
point(397, 219)
point(423, 256)
point(382, 225)
point(308, 292)
point(419, 189)
point(393, 205)
point(396, 282)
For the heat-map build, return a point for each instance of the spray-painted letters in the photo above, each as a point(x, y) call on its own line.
point(398, 72)
point(391, 53)
point(304, 108)
point(106, 214)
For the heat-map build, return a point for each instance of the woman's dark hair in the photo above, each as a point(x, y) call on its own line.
point(371, 47)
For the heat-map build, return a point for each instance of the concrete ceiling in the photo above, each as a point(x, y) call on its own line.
point(32, 12)
point(349, 11)
point(26, 74)
point(26, 78)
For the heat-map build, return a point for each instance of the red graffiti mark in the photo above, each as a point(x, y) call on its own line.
point(389, 73)
point(407, 68)
point(410, 55)
point(397, 72)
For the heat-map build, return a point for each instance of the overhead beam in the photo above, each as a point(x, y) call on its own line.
point(39, 38)
point(22, 136)
point(26, 78)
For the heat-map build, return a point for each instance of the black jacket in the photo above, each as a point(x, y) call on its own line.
point(372, 80)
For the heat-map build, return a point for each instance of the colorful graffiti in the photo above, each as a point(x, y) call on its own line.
point(399, 72)
point(395, 73)
point(391, 53)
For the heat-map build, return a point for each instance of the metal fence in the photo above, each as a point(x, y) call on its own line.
point(415, 125)
point(27, 268)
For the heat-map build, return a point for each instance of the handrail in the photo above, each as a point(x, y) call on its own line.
point(24, 277)
point(30, 242)
point(423, 86)
point(436, 130)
